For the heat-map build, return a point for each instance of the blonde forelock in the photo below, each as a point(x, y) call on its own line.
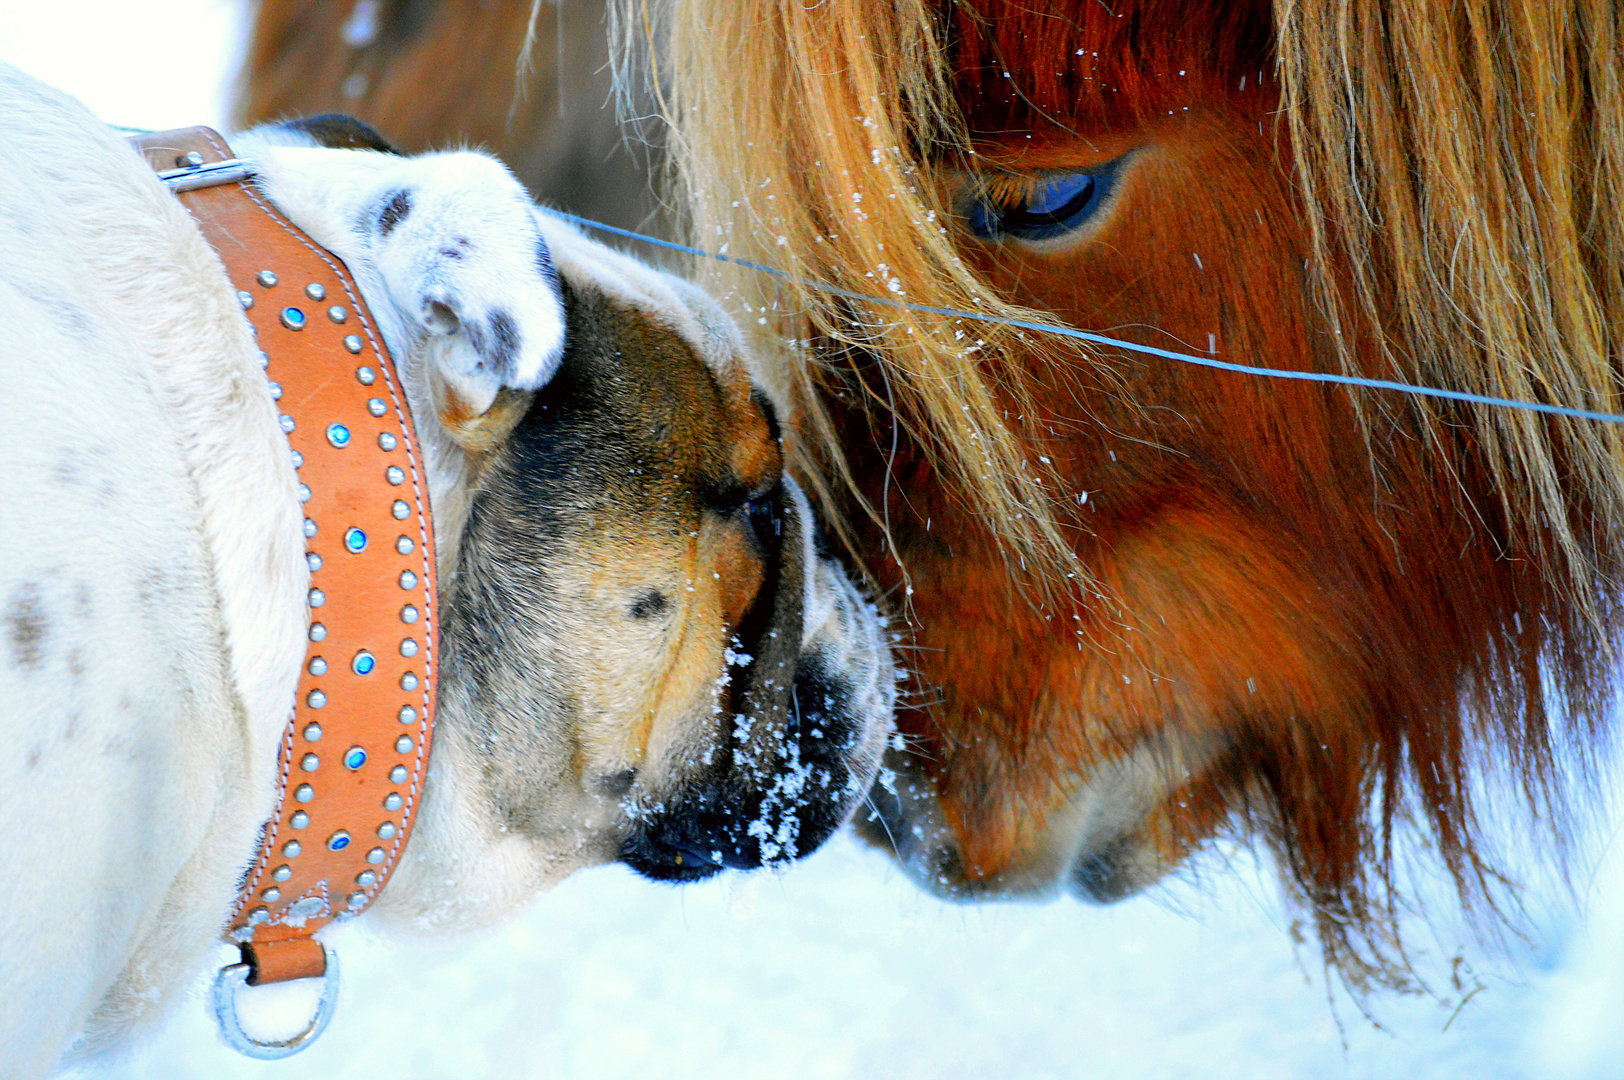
point(810, 158)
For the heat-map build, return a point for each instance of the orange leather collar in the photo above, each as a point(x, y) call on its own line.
point(356, 749)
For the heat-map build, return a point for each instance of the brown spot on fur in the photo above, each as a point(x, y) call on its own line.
point(26, 627)
point(68, 469)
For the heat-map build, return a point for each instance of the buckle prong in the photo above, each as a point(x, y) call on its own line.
point(213, 174)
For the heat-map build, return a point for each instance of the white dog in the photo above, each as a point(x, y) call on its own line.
point(603, 480)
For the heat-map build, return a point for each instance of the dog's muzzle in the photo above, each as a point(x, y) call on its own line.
point(812, 688)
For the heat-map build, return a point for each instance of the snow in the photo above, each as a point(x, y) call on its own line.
point(838, 967)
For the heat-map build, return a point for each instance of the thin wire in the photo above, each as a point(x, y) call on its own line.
point(1101, 339)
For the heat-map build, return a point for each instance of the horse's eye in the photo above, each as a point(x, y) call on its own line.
point(1040, 209)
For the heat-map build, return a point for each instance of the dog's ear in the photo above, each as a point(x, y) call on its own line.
point(485, 363)
point(463, 262)
point(475, 429)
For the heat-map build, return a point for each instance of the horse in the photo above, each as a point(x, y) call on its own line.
point(533, 86)
point(1152, 604)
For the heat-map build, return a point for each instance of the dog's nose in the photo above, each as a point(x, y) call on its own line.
point(663, 854)
point(708, 829)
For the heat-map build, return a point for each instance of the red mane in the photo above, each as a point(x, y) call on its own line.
point(1312, 611)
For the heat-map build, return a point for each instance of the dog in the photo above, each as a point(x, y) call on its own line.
point(647, 654)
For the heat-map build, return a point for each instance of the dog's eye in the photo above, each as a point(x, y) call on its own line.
point(762, 513)
point(1042, 208)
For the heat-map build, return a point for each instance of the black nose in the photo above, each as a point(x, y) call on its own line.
point(764, 800)
point(672, 849)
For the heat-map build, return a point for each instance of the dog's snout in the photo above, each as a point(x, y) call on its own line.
point(780, 784)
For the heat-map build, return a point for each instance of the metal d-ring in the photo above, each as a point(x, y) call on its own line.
point(233, 977)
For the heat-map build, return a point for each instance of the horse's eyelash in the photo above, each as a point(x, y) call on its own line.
point(1008, 190)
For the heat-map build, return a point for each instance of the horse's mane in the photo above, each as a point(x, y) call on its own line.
point(825, 185)
point(1460, 170)
point(1463, 165)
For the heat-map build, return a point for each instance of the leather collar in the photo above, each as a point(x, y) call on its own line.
point(353, 757)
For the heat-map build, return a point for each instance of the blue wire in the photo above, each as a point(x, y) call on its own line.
point(1101, 339)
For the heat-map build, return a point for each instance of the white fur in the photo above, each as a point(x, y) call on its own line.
point(152, 579)
point(453, 259)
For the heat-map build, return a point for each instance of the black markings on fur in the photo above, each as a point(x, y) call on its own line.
point(822, 546)
point(68, 470)
point(497, 343)
point(505, 342)
point(544, 264)
point(478, 340)
point(335, 131)
point(649, 604)
point(399, 205)
point(617, 784)
point(26, 626)
point(770, 413)
point(150, 585)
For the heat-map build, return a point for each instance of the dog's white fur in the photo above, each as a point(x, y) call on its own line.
point(140, 753)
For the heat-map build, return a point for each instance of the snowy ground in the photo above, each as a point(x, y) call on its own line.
point(838, 968)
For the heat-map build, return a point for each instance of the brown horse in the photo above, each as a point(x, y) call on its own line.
point(1150, 603)
point(530, 83)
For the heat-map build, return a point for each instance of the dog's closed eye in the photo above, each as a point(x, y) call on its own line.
point(617, 784)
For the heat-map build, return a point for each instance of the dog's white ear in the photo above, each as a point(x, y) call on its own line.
point(457, 246)
point(482, 367)
point(479, 423)
point(455, 264)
